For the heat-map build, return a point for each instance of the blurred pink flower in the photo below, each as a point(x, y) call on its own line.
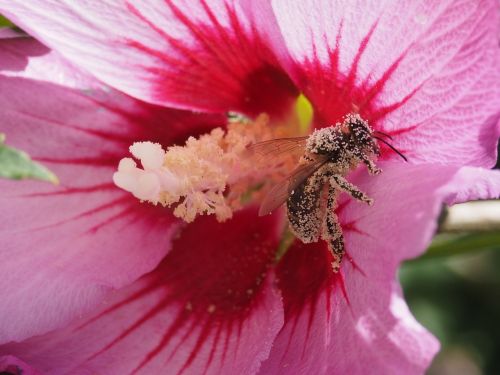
point(95, 282)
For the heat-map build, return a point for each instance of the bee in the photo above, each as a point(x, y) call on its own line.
point(312, 189)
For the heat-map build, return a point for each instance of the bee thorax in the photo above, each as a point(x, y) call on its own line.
point(326, 141)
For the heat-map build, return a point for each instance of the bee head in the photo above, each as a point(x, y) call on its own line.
point(361, 134)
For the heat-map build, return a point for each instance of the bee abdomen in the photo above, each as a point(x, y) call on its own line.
point(304, 212)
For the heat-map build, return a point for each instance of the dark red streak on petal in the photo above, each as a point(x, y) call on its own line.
point(97, 161)
point(213, 278)
point(148, 122)
point(303, 273)
point(351, 227)
point(354, 264)
point(72, 190)
point(343, 289)
point(342, 206)
point(116, 202)
point(108, 136)
point(381, 112)
point(335, 94)
point(351, 78)
point(403, 130)
point(126, 211)
point(227, 70)
point(305, 276)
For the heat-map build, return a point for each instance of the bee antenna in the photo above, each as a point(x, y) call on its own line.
point(382, 133)
point(392, 148)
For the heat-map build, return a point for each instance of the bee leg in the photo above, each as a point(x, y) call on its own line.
point(332, 231)
point(370, 164)
point(338, 251)
point(349, 188)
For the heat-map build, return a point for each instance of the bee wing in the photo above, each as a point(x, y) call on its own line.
point(279, 146)
point(280, 192)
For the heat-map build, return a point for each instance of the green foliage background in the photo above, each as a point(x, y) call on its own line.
point(457, 297)
point(4, 22)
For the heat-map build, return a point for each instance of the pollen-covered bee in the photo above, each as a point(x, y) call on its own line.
point(311, 190)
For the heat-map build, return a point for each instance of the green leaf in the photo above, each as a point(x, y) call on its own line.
point(4, 22)
point(447, 244)
point(17, 165)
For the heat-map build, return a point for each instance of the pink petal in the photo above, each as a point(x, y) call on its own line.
point(65, 247)
point(25, 57)
point(377, 334)
point(188, 54)
point(8, 32)
point(486, 185)
point(356, 322)
point(307, 283)
point(209, 308)
point(12, 365)
point(402, 220)
point(400, 225)
point(425, 72)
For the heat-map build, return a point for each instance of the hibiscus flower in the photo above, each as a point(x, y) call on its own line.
point(96, 282)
